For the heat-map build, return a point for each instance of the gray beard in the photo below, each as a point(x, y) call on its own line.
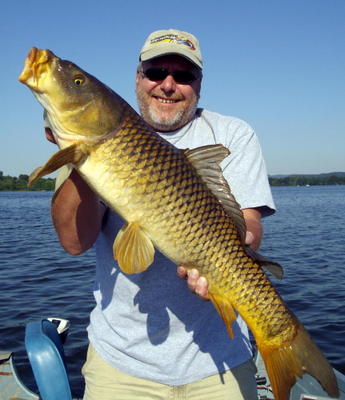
point(162, 124)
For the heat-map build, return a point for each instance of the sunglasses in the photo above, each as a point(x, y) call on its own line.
point(157, 74)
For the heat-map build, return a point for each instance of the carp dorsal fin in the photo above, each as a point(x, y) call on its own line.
point(273, 267)
point(72, 154)
point(133, 249)
point(206, 160)
point(225, 310)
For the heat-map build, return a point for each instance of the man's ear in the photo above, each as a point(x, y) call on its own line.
point(137, 77)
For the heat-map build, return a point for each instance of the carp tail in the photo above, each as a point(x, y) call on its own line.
point(302, 355)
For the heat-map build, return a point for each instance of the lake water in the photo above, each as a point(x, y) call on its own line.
point(38, 279)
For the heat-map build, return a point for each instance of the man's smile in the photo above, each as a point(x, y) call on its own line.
point(166, 101)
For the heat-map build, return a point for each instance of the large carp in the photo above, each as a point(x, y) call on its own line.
point(175, 200)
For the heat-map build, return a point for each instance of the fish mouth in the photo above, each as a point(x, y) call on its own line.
point(37, 63)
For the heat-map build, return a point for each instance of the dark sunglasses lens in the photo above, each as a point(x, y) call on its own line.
point(159, 74)
point(156, 74)
point(183, 76)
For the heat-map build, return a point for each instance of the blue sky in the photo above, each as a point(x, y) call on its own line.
point(279, 65)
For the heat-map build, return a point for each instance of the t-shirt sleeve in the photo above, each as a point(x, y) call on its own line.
point(245, 168)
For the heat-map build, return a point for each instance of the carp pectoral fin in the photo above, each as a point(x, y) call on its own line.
point(133, 249)
point(273, 267)
point(72, 154)
point(293, 359)
point(225, 310)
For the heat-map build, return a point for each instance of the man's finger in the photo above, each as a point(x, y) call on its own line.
point(249, 238)
point(182, 272)
point(196, 283)
point(201, 288)
point(193, 276)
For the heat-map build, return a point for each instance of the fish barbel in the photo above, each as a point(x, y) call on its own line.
point(176, 201)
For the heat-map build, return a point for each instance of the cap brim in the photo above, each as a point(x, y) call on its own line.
point(151, 54)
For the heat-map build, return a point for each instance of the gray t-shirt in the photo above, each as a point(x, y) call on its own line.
point(150, 325)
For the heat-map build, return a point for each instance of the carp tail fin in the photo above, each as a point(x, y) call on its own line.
point(286, 363)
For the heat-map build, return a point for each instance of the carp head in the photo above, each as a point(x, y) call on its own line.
point(79, 107)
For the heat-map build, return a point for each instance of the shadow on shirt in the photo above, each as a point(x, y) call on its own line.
point(162, 299)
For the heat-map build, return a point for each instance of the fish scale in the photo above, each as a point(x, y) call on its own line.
point(174, 200)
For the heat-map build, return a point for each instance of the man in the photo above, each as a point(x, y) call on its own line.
point(151, 337)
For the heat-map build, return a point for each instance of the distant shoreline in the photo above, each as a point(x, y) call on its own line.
point(20, 183)
point(331, 178)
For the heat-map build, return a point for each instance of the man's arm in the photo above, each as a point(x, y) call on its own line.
point(76, 211)
point(77, 214)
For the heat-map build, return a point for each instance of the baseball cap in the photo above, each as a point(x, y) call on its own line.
point(172, 41)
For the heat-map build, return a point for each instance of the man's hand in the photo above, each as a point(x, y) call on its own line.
point(196, 283)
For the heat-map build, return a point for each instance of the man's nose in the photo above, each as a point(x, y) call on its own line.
point(169, 84)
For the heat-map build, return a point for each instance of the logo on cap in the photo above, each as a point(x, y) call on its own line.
point(171, 38)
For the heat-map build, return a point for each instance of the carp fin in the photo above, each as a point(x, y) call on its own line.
point(225, 310)
point(133, 249)
point(273, 267)
point(206, 160)
point(293, 359)
point(71, 154)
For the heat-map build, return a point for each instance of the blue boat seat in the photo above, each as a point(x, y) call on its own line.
point(47, 359)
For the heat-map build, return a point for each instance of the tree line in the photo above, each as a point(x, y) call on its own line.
point(13, 183)
point(305, 180)
point(10, 183)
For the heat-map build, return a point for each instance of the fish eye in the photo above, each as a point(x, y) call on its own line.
point(79, 80)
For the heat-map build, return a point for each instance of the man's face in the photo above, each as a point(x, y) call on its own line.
point(167, 104)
